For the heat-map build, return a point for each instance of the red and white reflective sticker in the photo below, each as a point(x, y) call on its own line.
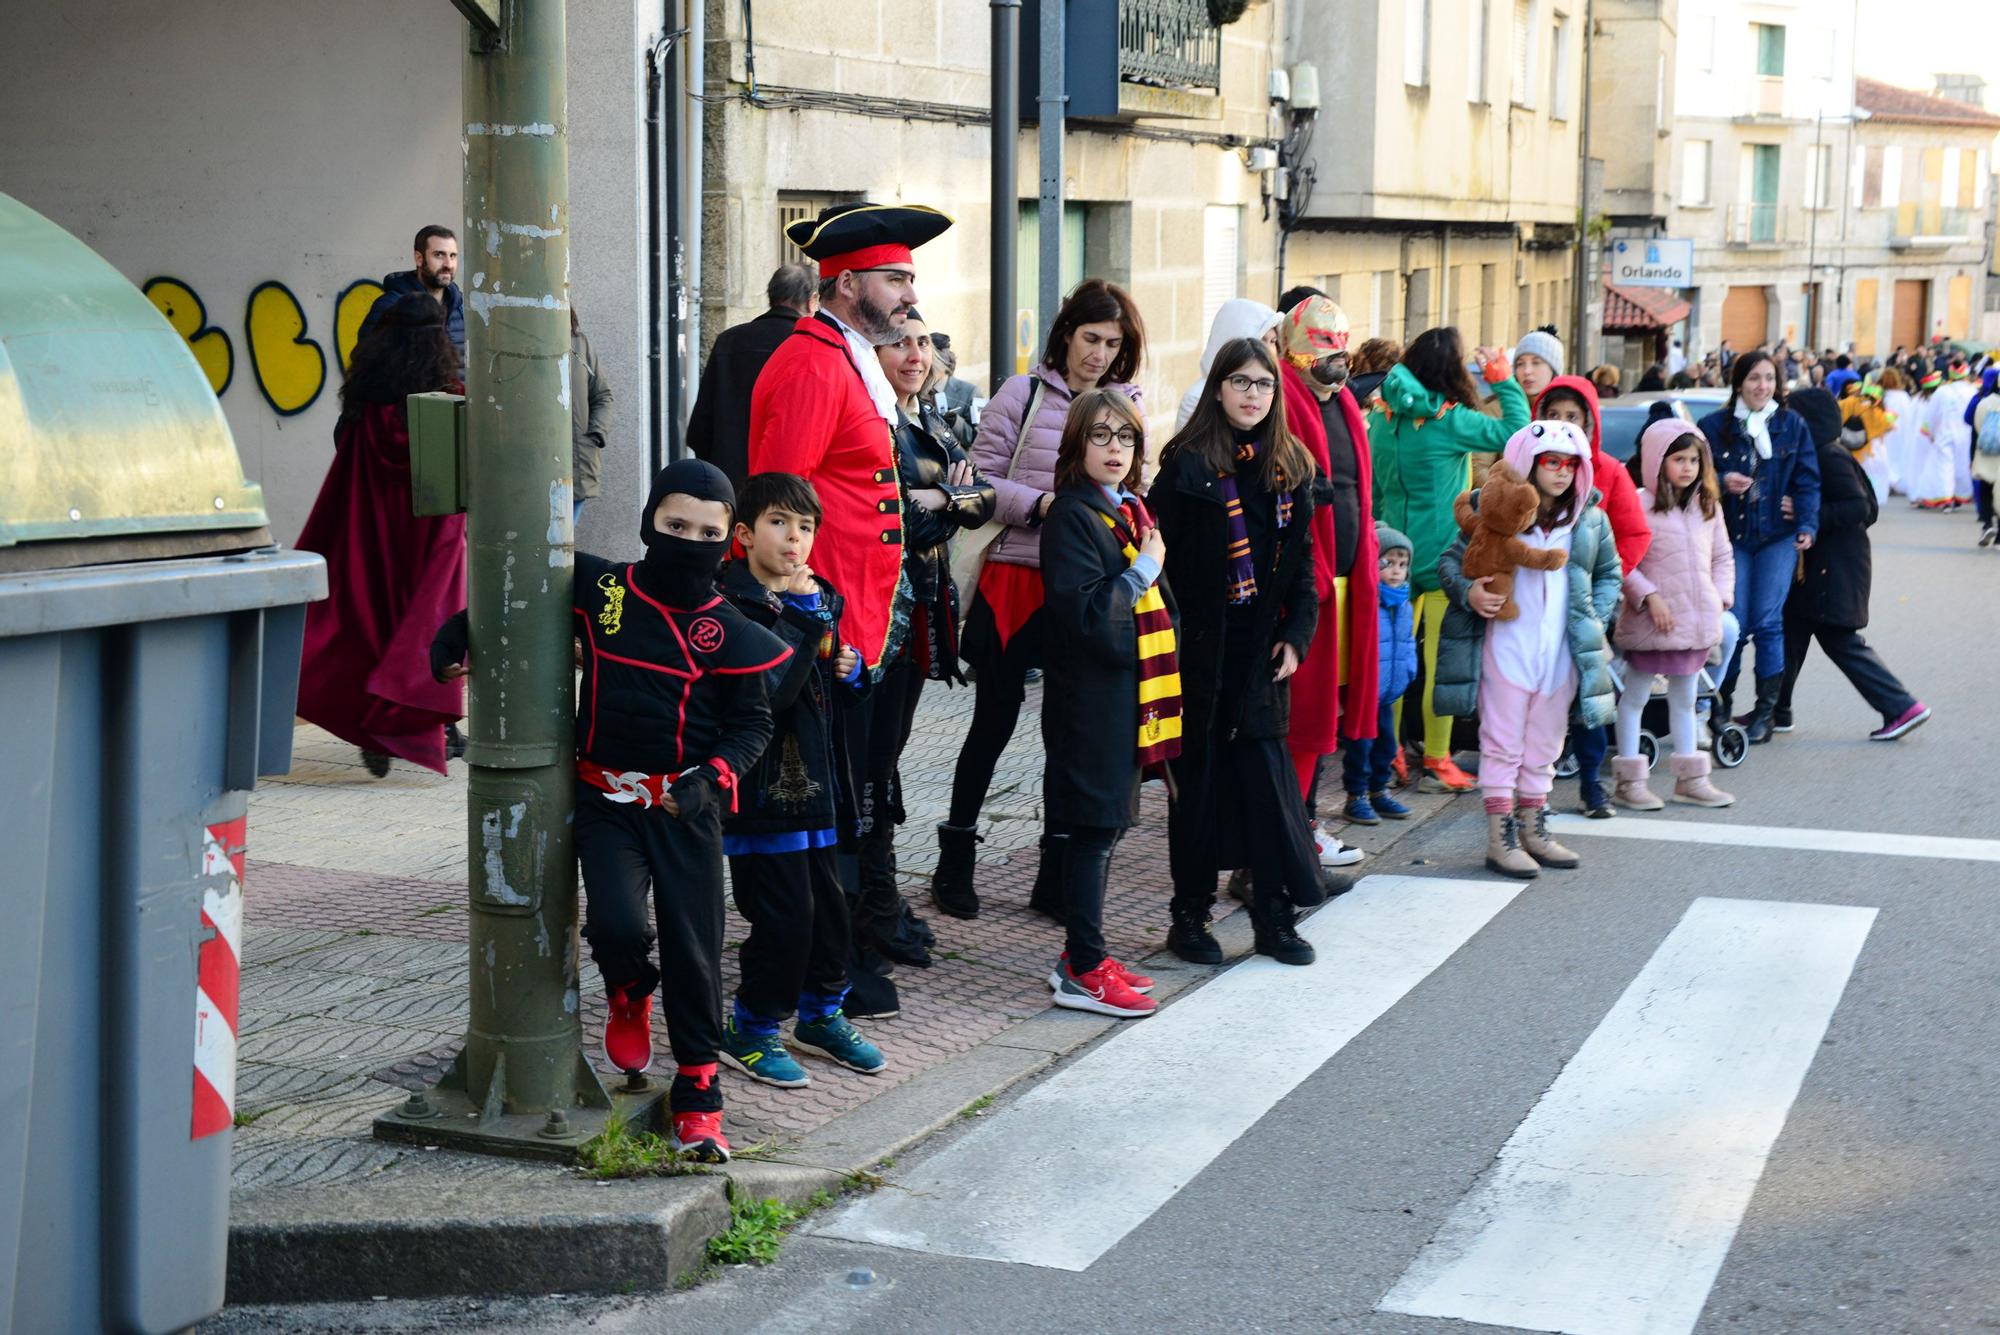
point(216, 978)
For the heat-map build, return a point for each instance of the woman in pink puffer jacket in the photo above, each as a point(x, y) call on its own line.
point(1672, 613)
point(1097, 340)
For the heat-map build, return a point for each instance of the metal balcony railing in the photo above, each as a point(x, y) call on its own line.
point(1168, 44)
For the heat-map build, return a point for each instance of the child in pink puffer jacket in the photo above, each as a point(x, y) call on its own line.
point(1672, 613)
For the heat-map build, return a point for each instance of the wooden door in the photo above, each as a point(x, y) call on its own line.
point(1866, 294)
point(1906, 322)
point(1746, 318)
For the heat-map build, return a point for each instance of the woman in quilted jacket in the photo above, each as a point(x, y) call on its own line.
point(1097, 341)
point(1672, 615)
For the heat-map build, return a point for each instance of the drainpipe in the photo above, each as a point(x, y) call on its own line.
point(696, 15)
point(1049, 290)
point(1587, 340)
point(1003, 209)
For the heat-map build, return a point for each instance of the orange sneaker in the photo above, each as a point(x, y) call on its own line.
point(1444, 776)
point(1401, 767)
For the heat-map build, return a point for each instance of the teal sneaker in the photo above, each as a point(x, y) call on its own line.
point(762, 1058)
point(836, 1040)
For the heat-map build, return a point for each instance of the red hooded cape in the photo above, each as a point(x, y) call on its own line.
point(810, 414)
point(1629, 530)
point(1318, 703)
point(393, 578)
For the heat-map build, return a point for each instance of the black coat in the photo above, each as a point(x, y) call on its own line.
point(718, 429)
point(1187, 503)
point(1840, 565)
point(1090, 700)
point(804, 780)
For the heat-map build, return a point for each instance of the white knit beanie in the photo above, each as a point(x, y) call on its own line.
point(1541, 343)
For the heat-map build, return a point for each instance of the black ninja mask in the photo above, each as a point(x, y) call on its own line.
point(681, 571)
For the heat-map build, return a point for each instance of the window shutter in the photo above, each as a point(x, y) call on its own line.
point(1524, 52)
point(1218, 261)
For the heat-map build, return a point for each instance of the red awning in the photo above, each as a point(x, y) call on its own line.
point(1643, 308)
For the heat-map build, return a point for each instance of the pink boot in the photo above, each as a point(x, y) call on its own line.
point(1628, 777)
point(1691, 783)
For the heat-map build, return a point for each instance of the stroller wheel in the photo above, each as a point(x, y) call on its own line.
point(1649, 747)
point(1732, 744)
point(1567, 764)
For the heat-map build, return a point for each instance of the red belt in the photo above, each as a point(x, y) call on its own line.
point(638, 786)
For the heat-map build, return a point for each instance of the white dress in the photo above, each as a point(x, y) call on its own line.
point(1933, 473)
point(1907, 432)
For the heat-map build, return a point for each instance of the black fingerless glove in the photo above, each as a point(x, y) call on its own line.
point(694, 791)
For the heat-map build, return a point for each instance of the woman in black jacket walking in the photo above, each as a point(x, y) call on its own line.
point(1111, 703)
point(1829, 603)
point(1234, 501)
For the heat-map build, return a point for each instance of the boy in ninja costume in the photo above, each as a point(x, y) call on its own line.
point(673, 707)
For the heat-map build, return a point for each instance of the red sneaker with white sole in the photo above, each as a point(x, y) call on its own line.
point(699, 1136)
point(628, 1033)
point(1103, 990)
point(1138, 982)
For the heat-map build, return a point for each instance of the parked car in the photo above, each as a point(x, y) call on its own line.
point(1627, 415)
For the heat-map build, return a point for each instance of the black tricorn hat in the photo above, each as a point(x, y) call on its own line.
point(866, 236)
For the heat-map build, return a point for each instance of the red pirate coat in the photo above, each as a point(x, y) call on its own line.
point(810, 414)
point(1321, 710)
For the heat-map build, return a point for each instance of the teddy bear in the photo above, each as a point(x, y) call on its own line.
point(1493, 550)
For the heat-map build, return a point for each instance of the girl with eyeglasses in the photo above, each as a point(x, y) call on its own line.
point(1522, 673)
point(1234, 500)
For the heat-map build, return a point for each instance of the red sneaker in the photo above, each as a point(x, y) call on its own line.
point(1400, 766)
point(699, 1135)
point(628, 1034)
point(1444, 776)
point(1104, 991)
point(1138, 982)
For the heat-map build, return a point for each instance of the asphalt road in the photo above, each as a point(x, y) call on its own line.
point(1877, 1209)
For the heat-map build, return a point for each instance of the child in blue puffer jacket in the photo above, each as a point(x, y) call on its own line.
point(1366, 764)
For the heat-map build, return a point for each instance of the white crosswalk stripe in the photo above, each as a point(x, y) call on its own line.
point(1115, 1134)
point(1610, 1210)
point(1681, 830)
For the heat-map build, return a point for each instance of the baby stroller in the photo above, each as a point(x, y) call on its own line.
point(1730, 745)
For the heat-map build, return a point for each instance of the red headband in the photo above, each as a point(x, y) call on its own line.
point(868, 257)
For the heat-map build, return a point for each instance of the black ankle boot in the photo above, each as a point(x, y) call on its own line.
point(1277, 936)
point(1190, 938)
point(454, 742)
point(1762, 721)
point(951, 883)
point(1047, 896)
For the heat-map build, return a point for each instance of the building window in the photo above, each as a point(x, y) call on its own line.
point(1417, 43)
point(797, 205)
point(1892, 176)
point(1695, 162)
point(1819, 176)
point(1770, 49)
point(1523, 92)
point(1219, 278)
point(1559, 69)
point(1475, 54)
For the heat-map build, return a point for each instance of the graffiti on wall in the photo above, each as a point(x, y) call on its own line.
point(286, 361)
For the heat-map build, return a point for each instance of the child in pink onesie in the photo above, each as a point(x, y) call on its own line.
point(1523, 673)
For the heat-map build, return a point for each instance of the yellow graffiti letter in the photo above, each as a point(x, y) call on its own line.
point(189, 318)
point(290, 368)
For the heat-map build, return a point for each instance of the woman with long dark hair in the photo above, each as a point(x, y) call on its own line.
point(1097, 341)
point(1423, 433)
point(393, 577)
point(1234, 501)
point(1769, 471)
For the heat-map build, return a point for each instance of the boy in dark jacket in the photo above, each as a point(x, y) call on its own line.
point(795, 803)
point(673, 708)
point(1367, 764)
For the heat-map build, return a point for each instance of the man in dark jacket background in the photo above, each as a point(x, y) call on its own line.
point(1829, 600)
point(436, 253)
point(719, 427)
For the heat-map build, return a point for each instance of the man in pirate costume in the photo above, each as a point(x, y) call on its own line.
point(674, 705)
point(823, 409)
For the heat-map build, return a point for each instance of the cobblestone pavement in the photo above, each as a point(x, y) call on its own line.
point(355, 965)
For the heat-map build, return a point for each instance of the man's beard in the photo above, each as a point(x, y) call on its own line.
point(435, 280)
point(877, 324)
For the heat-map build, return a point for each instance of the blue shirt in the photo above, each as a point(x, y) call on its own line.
point(1144, 570)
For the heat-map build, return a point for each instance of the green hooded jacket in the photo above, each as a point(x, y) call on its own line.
point(1419, 448)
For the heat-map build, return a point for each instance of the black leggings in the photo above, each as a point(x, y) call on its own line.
point(999, 687)
point(1086, 870)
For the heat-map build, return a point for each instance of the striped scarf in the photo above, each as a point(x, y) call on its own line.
point(1242, 569)
point(1159, 664)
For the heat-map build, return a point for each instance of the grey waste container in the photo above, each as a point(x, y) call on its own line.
point(149, 646)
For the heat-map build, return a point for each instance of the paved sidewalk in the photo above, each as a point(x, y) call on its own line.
point(355, 964)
